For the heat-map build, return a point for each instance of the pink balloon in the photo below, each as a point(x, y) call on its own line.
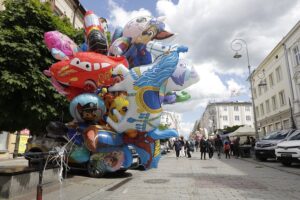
point(59, 41)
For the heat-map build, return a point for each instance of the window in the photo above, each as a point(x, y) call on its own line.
point(278, 126)
point(225, 118)
point(254, 93)
point(282, 98)
point(248, 118)
point(286, 124)
point(265, 86)
point(271, 79)
point(257, 111)
point(262, 109)
point(296, 52)
point(259, 90)
point(237, 118)
point(278, 74)
point(236, 108)
point(225, 126)
point(268, 106)
point(274, 102)
point(270, 128)
point(247, 108)
point(225, 108)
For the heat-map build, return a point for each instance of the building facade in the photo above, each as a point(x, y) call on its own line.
point(2, 7)
point(291, 44)
point(171, 119)
point(276, 99)
point(72, 9)
point(220, 115)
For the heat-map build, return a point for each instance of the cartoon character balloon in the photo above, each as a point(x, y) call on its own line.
point(116, 100)
point(142, 85)
point(87, 108)
point(60, 45)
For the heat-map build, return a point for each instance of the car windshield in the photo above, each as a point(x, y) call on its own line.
point(276, 136)
point(295, 136)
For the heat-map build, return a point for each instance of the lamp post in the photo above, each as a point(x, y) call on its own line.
point(237, 45)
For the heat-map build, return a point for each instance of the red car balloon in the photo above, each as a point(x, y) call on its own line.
point(85, 72)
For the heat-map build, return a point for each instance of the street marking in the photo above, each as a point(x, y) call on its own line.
point(113, 188)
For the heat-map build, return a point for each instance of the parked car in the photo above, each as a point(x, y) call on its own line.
point(164, 148)
point(265, 148)
point(288, 151)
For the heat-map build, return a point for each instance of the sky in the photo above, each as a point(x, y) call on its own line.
point(208, 27)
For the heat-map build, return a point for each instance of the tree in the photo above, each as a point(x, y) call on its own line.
point(27, 98)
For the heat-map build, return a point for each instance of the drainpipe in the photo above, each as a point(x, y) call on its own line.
point(289, 71)
point(291, 85)
point(74, 16)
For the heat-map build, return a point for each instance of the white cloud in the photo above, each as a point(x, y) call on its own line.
point(185, 129)
point(119, 16)
point(208, 27)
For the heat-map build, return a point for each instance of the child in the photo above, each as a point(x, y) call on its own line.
point(227, 149)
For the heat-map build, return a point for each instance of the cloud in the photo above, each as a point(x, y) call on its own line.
point(186, 129)
point(208, 27)
point(119, 16)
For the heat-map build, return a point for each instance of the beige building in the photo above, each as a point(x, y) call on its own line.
point(277, 73)
point(291, 44)
point(171, 119)
point(69, 8)
point(220, 115)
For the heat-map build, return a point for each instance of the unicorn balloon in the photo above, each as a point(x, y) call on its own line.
point(142, 85)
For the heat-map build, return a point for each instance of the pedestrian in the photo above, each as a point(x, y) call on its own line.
point(237, 150)
point(227, 149)
point(252, 142)
point(210, 148)
point(182, 151)
point(177, 145)
point(203, 147)
point(219, 145)
point(197, 145)
point(247, 142)
point(231, 143)
point(187, 147)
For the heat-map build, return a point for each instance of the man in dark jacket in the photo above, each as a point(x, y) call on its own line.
point(178, 145)
point(219, 145)
point(203, 147)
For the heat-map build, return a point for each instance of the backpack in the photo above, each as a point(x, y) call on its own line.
point(227, 147)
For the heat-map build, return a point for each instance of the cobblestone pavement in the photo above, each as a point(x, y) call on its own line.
point(185, 179)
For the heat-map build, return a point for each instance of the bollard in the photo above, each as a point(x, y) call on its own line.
point(39, 192)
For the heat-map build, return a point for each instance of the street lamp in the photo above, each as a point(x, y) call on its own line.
point(237, 45)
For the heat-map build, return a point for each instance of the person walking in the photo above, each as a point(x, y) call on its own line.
point(197, 145)
point(237, 150)
point(203, 147)
point(211, 148)
point(219, 145)
point(187, 147)
point(227, 150)
point(177, 144)
point(182, 151)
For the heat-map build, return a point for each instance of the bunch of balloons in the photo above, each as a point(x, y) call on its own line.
point(116, 89)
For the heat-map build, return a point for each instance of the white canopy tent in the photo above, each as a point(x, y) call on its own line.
point(243, 131)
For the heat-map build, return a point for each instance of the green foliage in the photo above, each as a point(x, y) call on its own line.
point(27, 98)
point(231, 129)
point(163, 127)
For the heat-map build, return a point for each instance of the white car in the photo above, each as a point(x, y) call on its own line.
point(289, 151)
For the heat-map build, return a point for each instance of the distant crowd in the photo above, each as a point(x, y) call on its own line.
point(207, 147)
